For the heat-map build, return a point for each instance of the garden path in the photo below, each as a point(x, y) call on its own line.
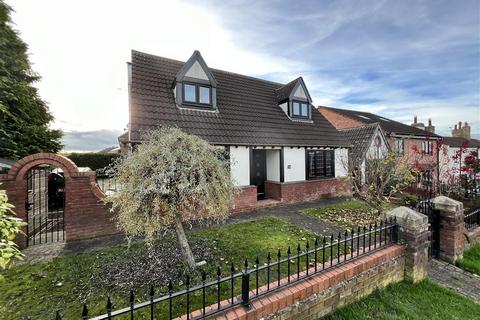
point(450, 276)
point(290, 213)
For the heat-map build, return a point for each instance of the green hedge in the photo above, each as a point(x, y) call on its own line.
point(93, 160)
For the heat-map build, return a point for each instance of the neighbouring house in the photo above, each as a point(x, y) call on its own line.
point(453, 153)
point(414, 143)
point(368, 144)
point(280, 147)
point(123, 143)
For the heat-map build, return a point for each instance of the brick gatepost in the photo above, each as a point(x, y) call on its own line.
point(413, 232)
point(452, 228)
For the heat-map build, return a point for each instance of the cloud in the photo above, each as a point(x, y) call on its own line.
point(89, 141)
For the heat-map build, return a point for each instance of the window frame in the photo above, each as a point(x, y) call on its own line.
point(197, 95)
point(427, 147)
point(329, 153)
point(395, 146)
point(300, 116)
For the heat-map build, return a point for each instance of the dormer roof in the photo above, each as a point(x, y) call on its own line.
point(294, 89)
point(195, 68)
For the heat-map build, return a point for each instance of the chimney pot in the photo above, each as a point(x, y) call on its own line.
point(429, 122)
point(415, 119)
point(459, 124)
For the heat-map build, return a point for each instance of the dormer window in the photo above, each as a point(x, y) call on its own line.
point(197, 94)
point(195, 86)
point(300, 109)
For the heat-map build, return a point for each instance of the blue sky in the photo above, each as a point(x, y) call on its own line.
point(395, 58)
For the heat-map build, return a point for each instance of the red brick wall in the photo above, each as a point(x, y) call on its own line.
point(290, 192)
point(340, 121)
point(245, 199)
point(86, 216)
point(324, 292)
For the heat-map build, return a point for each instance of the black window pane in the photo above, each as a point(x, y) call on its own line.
point(190, 94)
point(204, 95)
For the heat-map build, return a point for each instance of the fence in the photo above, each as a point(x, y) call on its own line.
point(472, 219)
point(106, 180)
point(236, 288)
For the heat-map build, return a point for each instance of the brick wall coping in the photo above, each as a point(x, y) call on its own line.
point(277, 300)
point(305, 181)
point(21, 167)
point(447, 204)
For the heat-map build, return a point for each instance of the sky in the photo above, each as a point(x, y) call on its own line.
point(394, 58)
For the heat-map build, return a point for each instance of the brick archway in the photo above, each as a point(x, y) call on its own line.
point(86, 215)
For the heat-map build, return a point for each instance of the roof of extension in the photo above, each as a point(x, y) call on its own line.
point(248, 112)
point(360, 138)
point(388, 125)
point(461, 142)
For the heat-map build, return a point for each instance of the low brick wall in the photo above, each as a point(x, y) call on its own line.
point(244, 199)
point(299, 191)
point(325, 292)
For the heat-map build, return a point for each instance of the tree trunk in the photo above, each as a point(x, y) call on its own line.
point(184, 246)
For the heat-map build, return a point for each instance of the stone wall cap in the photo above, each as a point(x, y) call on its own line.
point(407, 217)
point(447, 204)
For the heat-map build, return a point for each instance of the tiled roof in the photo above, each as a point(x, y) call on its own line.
point(461, 142)
point(360, 138)
point(248, 112)
point(283, 93)
point(387, 125)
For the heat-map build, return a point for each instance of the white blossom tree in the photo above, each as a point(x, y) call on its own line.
point(170, 179)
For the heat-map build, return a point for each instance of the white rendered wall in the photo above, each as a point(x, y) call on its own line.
point(273, 165)
point(372, 149)
point(294, 164)
point(341, 163)
point(196, 71)
point(240, 165)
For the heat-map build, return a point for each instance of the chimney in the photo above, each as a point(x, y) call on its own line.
point(417, 124)
point(430, 128)
point(461, 132)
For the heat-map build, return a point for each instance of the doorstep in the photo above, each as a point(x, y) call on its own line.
point(264, 203)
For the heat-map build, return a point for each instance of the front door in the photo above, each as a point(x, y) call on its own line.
point(258, 172)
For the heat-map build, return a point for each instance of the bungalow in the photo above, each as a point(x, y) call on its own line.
point(280, 147)
point(416, 144)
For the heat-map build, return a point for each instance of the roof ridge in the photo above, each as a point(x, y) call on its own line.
point(373, 124)
point(213, 69)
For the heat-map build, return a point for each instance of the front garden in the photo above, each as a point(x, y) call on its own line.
point(471, 260)
point(38, 290)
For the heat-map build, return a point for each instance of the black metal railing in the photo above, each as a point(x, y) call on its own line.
point(472, 219)
point(106, 180)
point(225, 291)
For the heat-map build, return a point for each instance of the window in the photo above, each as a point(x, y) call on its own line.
point(398, 146)
point(426, 178)
point(197, 94)
point(300, 109)
point(427, 147)
point(320, 164)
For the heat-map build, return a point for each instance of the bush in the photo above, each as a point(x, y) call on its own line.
point(93, 160)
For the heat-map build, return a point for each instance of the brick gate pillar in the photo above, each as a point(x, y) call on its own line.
point(413, 232)
point(452, 228)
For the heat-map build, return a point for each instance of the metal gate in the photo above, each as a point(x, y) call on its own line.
point(45, 205)
point(425, 206)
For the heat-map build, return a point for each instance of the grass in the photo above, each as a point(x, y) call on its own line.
point(38, 290)
point(424, 300)
point(471, 260)
point(347, 214)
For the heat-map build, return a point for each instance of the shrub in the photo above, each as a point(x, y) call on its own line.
point(93, 160)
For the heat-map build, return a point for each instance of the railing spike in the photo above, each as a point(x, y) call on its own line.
point(279, 255)
point(57, 315)
point(219, 271)
point(289, 251)
point(298, 248)
point(204, 275)
point(109, 304)
point(232, 268)
point(307, 245)
point(85, 312)
point(257, 261)
point(152, 291)
point(132, 297)
point(170, 286)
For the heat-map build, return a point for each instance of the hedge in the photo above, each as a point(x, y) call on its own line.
point(93, 160)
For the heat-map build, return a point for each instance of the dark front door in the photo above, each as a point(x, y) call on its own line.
point(258, 172)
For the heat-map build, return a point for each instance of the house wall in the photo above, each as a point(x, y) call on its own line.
point(273, 165)
point(341, 163)
point(380, 152)
point(340, 121)
point(294, 164)
point(240, 165)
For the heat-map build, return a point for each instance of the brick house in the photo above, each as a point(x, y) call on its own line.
point(280, 147)
point(417, 144)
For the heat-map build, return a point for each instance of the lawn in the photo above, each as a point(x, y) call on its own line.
point(424, 300)
point(471, 260)
point(347, 214)
point(37, 290)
